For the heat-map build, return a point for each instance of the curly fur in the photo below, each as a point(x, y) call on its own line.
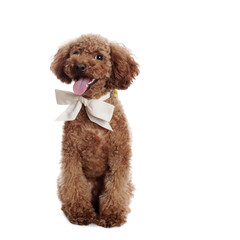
point(95, 181)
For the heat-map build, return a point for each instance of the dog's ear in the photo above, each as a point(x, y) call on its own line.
point(58, 64)
point(124, 67)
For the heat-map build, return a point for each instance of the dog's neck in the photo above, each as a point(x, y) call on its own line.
point(94, 95)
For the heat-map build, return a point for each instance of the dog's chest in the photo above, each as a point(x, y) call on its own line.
point(94, 152)
point(93, 144)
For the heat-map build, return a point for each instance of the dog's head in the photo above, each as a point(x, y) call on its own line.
point(95, 64)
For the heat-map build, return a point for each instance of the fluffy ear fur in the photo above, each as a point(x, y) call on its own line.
point(124, 67)
point(58, 63)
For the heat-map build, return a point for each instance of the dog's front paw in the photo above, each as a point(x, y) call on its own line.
point(80, 215)
point(114, 219)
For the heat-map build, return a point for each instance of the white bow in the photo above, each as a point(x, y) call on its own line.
point(97, 110)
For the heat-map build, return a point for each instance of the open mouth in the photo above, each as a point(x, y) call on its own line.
point(83, 84)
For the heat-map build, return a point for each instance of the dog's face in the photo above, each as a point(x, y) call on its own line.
point(95, 65)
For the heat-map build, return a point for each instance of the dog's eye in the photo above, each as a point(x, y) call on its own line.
point(76, 53)
point(99, 57)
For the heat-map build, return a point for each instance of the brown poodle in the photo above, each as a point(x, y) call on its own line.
point(95, 182)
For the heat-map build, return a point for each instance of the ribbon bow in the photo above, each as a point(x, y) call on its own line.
point(97, 110)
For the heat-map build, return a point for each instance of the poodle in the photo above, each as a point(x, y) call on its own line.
point(95, 181)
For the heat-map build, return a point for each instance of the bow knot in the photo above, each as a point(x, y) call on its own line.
point(84, 101)
point(97, 110)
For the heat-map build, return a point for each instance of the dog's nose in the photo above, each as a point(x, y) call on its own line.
point(81, 67)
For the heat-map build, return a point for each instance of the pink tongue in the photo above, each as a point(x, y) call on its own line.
point(81, 85)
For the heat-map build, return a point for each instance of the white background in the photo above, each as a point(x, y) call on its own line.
point(183, 109)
